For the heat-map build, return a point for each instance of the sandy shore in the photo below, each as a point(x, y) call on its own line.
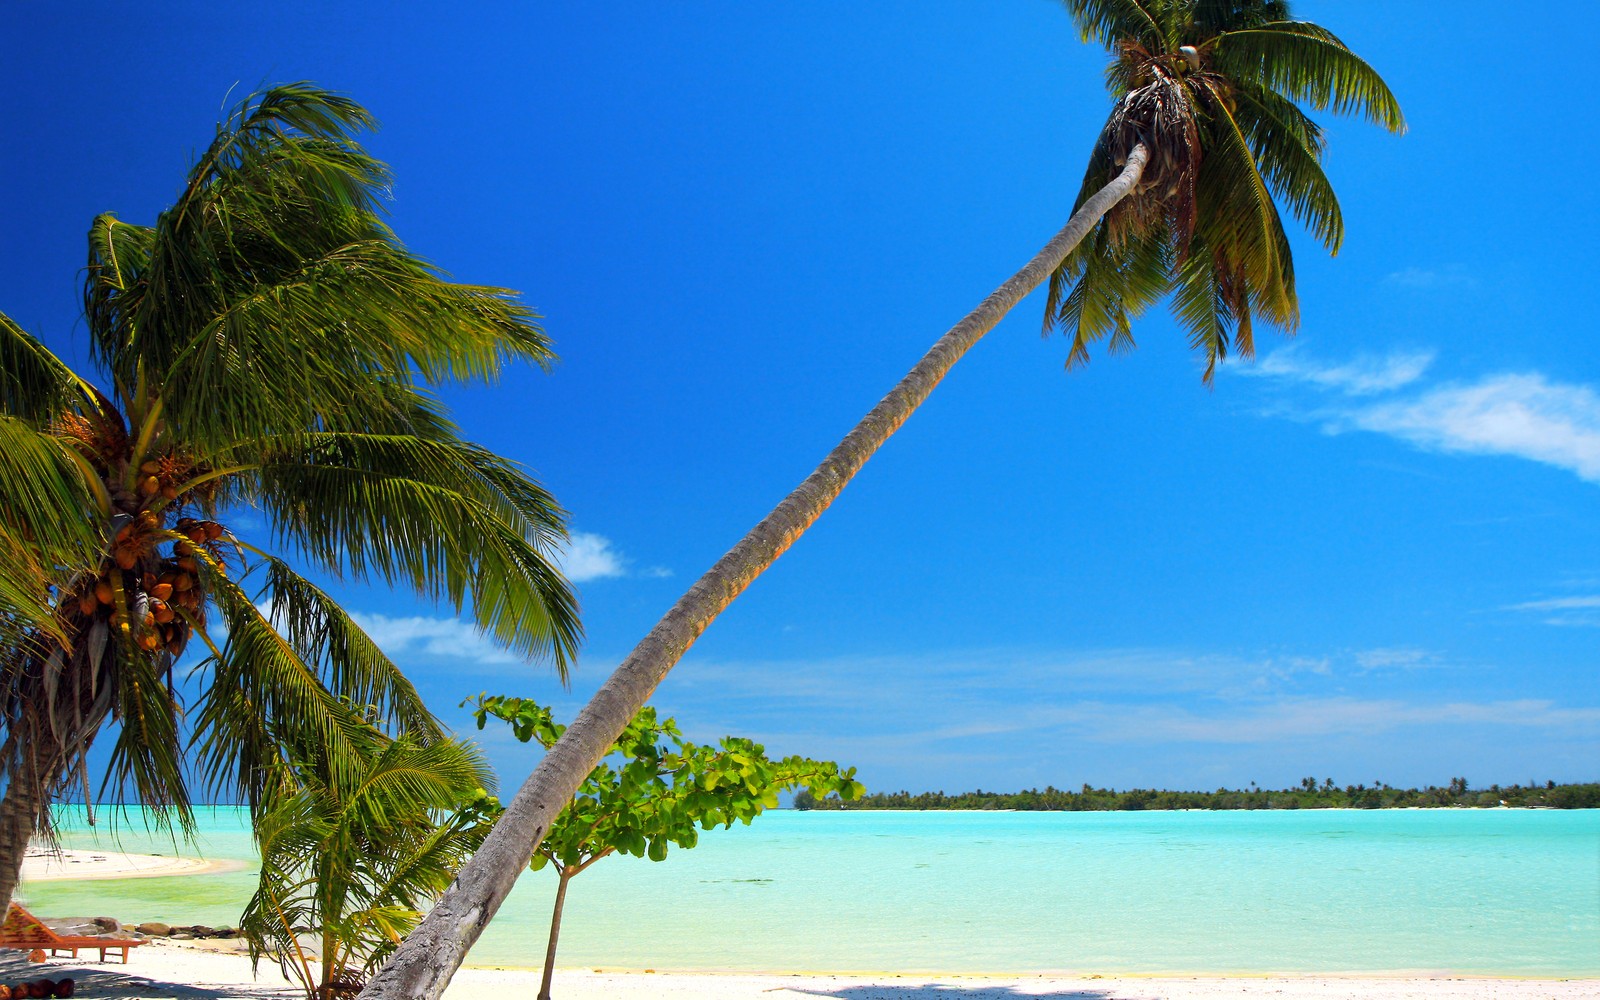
point(47, 866)
point(212, 971)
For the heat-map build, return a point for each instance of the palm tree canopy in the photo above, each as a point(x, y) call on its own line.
point(1214, 89)
point(268, 342)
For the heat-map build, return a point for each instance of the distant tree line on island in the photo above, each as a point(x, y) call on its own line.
point(1309, 795)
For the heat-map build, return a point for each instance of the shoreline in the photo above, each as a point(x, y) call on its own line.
point(1397, 975)
point(235, 946)
point(189, 969)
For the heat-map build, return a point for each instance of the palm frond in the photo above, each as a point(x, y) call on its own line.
point(1288, 149)
point(448, 519)
point(1306, 62)
point(326, 637)
point(115, 285)
point(408, 779)
point(262, 692)
point(48, 501)
point(271, 294)
point(1241, 220)
point(26, 610)
point(147, 760)
point(35, 385)
point(1112, 21)
point(1208, 18)
point(1202, 309)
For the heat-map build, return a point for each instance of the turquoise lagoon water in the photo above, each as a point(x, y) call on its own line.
point(1494, 892)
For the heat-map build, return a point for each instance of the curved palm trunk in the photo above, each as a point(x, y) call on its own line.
point(26, 798)
point(422, 966)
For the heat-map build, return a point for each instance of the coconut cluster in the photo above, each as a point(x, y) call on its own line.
point(149, 588)
point(161, 589)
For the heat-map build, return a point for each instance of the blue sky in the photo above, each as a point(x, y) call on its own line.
point(1372, 554)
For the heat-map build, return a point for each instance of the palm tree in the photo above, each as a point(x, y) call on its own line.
point(351, 856)
point(1178, 199)
point(268, 343)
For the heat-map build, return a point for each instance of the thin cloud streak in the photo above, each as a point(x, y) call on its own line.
point(1579, 611)
point(1363, 376)
point(1520, 415)
point(1525, 416)
point(1299, 720)
point(1558, 604)
point(1449, 276)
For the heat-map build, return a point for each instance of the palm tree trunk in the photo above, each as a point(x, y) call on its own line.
point(555, 934)
point(26, 797)
point(423, 964)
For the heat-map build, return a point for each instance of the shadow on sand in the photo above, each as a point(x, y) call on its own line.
point(93, 980)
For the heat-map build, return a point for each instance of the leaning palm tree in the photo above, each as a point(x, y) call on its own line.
point(1178, 202)
point(267, 345)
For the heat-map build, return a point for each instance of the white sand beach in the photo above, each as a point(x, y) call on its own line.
point(54, 866)
point(218, 971)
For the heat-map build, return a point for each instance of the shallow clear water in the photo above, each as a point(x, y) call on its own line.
point(1506, 892)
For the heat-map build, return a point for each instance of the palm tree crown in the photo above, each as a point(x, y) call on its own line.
point(267, 343)
point(1211, 88)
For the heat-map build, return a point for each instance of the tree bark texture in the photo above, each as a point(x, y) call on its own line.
point(26, 797)
point(555, 935)
point(423, 964)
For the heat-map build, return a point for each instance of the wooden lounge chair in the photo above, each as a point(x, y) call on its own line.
point(25, 931)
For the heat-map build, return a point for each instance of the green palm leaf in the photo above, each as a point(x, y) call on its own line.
point(341, 654)
point(272, 295)
point(1109, 22)
point(262, 689)
point(1306, 62)
point(1288, 150)
point(450, 520)
point(49, 525)
point(35, 385)
point(146, 764)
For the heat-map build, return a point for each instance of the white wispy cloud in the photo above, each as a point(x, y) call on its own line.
point(1362, 376)
point(432, 638)
point(1446, 276)
point(1522, 415)
point(920, 710)
point(1526, 416)
point(1292, 720)
point(1395, 658)
point(589, 556)
point(1579, 611)
point(1016, 690)
point(1023, 716)
point(1559, 604)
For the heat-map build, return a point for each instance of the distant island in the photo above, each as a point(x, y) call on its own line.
point(1309, 795)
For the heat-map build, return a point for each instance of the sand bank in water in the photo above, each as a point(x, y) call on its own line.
point(185, 971)
point(47, 866)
